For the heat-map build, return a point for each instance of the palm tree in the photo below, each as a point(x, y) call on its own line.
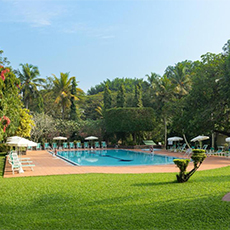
point(62, 91)
point(180, 77)
point(30, 81)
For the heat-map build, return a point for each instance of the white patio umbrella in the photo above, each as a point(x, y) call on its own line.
point(60, 138)
point(20, 142)
point(175, 139)
point(172, 139)
point(227, 139)
point(91, 138)
point(200, 139)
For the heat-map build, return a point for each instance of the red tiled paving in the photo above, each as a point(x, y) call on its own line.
point(46, 164)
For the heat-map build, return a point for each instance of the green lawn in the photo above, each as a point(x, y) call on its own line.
point(108, 201)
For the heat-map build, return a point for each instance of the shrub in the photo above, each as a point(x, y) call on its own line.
point(198, 157)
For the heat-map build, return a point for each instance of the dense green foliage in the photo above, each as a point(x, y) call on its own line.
point(107, 98)
point(12, 114)
point(138, 96)
point(129, 120)
point(115, 201)
point(190, 98)
point(121, 99)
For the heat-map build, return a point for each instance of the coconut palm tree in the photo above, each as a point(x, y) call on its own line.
point(62, 91)
point(180, 77)
point(29, 82)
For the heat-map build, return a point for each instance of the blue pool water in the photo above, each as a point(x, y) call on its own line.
point(113, 158)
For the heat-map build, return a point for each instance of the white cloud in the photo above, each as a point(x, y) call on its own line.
point(33, 13)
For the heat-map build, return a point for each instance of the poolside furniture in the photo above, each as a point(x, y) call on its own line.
point(220, 151)
point(19, 164)
point(54, 145)
point(71, 145)
point(188, 152)
point(47, 146)
point(79, 146)
point(96, 144)
point(182, 148)
point(29, 148)
point(205, 147)
point(38, 147)
point(173, 148)
point(103, 144)
point(86, 145)
point(65, 145)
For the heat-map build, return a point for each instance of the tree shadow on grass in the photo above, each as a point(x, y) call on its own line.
point(2, 163)
point(155, 183)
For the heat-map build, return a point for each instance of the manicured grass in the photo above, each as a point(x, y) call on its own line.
point(111, 201)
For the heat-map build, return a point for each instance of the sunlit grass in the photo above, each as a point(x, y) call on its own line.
point(112, 201)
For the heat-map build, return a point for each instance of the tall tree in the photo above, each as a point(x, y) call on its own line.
point(180, 77)
point(73, 107)
point(138, 96)
point(107, 98)
point(30, 82)
point(62, 91)
point(121, 97)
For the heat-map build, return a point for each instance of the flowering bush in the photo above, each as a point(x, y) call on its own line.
point(5, 121)
point(3, 72)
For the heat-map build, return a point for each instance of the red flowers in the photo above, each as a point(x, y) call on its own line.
point(5, 121)
point(3, 73)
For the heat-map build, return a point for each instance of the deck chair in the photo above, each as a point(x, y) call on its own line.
point(29, 148)
point(79, 145)
point(103, 144)
point(47, 146)
point(220, 151)
point(71, 145)
point(86, 145)
point(205, 147)
point(54, 145)
point(182, 148)
point(188, 152)
point(96, 144)
point(65, 145)
point(17, 164)
point(38, 147)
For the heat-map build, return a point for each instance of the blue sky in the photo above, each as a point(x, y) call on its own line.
point(98, 40)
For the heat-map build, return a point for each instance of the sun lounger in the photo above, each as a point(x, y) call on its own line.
point(54, 145)
point(71, 145)
point(47, 146)
point(103, 144)
point(86, 145)
point(79, 146)
point(65, 145)
point(38, 147)
point(96, 144)
point(19, 164)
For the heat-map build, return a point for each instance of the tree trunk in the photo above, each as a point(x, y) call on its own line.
point(165, 124)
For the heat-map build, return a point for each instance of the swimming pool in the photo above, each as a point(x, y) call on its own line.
point(114, 158)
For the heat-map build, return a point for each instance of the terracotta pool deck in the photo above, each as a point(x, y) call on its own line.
point(46, 164)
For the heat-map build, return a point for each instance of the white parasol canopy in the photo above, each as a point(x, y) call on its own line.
point(227, 139)
point(60, 138)
point(20, 142)
point(90, 138)
point(200, 138)
point(175, 139)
